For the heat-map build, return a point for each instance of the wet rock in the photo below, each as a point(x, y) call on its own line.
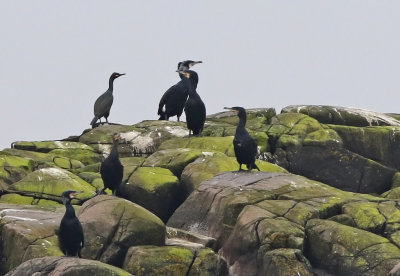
point(112, 225)
point(66, 266)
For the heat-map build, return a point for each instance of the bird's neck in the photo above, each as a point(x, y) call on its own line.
point(114, 152)
point(192, 86)
point(242, 122)
point(111, 85)
point(69, 210)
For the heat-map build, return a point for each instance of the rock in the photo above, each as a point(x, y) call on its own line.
point(155, 189)
point(45, 159)
point(256, 117)
point(211, 164)
point(27, 232)
point(345, 250)
point(366, 216)
point(47, 146)
point(112, 225)
point(173, 260)
point(66, 266)
point(85, 156)
point(50, 183)
point(343, 115)
point(175, 233)
point(284, 261)
point(219, 144)
point(137, 140)
point(13, 168)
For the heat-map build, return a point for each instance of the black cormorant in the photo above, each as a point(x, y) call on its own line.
point(195, 109)
point(70, 233)
point(103, 103)
point(111, 169)
point(173, 100)
point(244, 145)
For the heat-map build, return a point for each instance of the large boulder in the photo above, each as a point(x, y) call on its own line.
point(13, 168)
point(112, 225)
point(66, 266)
point(27, 232)
point(173, 260)
point(343, 115)
point(156, 189)
point(345, 250)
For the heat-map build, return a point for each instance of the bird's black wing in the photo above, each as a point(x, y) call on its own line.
point(164, 99)
point(103, 104)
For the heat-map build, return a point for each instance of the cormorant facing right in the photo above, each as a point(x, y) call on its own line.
point(244, 145)
point(103, 103)
point(195, 109)
point(70, 233)
point(111, 169)
point(173, 100)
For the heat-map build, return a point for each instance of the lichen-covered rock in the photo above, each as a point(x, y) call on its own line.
point(175, 235)
point(174, 261)
point(13, 168)
point(256, 117)
point(220, 144)
point(343, 115)
point(85, 156)
point(345, 250)
point(50, 183)
point(156, 189)
point(366, 216)
point(27, 232)
point(47, 146)
point(66, 267)
point(137, 140)
point(284, 261)
point(112, 225)
point(211, 164)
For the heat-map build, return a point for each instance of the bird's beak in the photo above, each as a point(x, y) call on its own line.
point(73, 195)
point(194, 63)
point(121, 74)
point(231, 109)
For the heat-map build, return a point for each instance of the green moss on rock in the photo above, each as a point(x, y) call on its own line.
point(220, 144)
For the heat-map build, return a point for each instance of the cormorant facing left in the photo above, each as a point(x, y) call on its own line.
point(70, 233)
point(111, 169)
point(195, 109)
point(103, 103)
point(173, 100)
point(244, 145)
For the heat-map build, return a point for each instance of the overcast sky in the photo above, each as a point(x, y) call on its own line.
point(56, 58)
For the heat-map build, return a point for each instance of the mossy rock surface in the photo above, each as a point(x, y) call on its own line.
point(50, 183)
point(156, 189)
point(173, 260)
point(27, 200)
point(47, 146)
point(219, 144)
point(112, 225)
point(346, 250)
point(66, 266)
point(13, 168)
point(256, 117)
point(85, 156)
point(366, 216)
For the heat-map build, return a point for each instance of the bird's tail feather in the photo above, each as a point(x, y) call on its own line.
point(94, 121)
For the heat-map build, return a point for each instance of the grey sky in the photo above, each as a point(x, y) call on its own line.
point(56, 57)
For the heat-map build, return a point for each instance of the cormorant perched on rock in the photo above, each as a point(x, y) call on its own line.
point(103, 103)
point(244, 145)
point(173, 100)
point(195, 109)
point(111, 169)
point(70, 233)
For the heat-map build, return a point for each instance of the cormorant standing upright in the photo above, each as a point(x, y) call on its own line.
point(103, 103)
point(111, 169)
point(70, 233)
point(195, 109)
point(173, 100)
point(244, 145)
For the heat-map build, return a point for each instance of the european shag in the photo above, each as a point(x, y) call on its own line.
point(195, 109)
point(244, 145)
point(103, 103)
point(111, 169)
point(173, 100)
point(70, 233)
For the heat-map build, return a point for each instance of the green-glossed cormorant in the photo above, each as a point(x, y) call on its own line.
point(103, 103)
point(111, 169)
point(70, 233)
point(244, 145)
point(195, 109)
point(173, 100)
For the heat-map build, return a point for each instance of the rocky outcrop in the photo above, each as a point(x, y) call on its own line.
point(65, 266)
point(112, 225)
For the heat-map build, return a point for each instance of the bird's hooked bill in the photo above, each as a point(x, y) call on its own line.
point(77, 193)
